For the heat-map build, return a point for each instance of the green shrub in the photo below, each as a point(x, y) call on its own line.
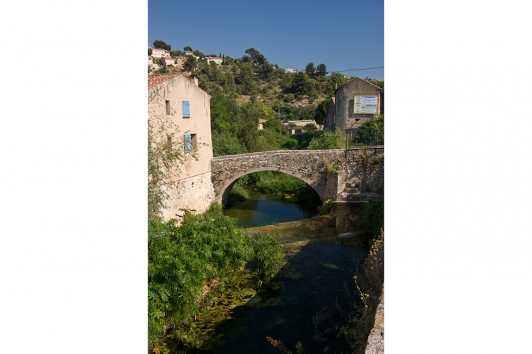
point(326, 208)
point(328, 140)
point(268, 256)
point(181, 260)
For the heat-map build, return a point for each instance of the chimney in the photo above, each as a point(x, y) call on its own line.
point(194, 79)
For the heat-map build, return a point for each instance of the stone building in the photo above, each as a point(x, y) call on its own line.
point(355, 102)
point(177, 102)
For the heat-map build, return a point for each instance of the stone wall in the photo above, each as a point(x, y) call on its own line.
point(334, 174)
point(375, 342)
point(363, 176)
point(195, 193)
point(308, 165)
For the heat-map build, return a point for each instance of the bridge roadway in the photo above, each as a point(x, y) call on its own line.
point(333, 174)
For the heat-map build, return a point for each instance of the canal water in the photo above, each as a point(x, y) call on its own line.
point(265, 209)
point(304, 308)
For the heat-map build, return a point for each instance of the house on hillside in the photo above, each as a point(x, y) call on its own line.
point(217, 60)
point(355, 102)
point(168, 61)
point(159, 53)
point(177, 103)
point(261, 124)
point(296, 126)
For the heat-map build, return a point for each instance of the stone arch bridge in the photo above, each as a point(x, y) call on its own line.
point(352, 175)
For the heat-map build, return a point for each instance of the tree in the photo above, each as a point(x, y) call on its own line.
point(191, 62)
point(161, 44)
point(149, 51)
point(255, 55)
point(225, 143)
point(310, 127)
point(333, 82)
point(198, 53)
point(265, 70)
point(175, 53)
point(310, 69)
point(320, 113)
point(321, 70)
point(187, 49)
point(301, 84)
point(328, 140)
point(371, 132)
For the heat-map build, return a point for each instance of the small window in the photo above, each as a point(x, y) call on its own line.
point(189, 140)
point(167, 108)
point(186, 109)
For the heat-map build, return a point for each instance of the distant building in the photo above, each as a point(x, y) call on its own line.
point(355, 102)
point(261, 122)
point(290, 70)
point(299, 124)
point(159, 53)
point(168, 61)
point(217, 60)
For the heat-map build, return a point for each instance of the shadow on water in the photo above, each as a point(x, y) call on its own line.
point(308, 301)
point(304, 306)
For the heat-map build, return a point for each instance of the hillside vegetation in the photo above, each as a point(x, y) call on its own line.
point(247, 89)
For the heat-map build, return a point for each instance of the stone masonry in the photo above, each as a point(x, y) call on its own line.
point(354, 175)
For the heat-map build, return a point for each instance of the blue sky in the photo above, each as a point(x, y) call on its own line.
point(341, 34)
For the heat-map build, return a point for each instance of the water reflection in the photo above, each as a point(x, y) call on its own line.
point(265, 209)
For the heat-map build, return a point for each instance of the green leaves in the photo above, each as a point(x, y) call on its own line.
point(183, 260)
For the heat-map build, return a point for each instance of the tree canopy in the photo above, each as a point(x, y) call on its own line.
point(320, 113)
point(161, 44)
point(321, 70)
point(255, 55)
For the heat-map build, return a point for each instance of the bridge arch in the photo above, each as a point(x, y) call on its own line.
point(311, 166)
point(225, 189)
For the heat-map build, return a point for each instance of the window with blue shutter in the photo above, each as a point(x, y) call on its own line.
point(188, 143)
point(186, 109)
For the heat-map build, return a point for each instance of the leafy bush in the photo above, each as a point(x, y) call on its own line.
point(328, 140)
point(325, 208)
point(181, 260)
point(267, 256)
point(184, 260)
point(275, 182)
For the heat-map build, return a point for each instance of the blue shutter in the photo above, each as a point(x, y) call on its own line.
point(188, 143)
point(186, 110)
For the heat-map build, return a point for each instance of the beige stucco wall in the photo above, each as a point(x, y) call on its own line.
point(159, 53)
point(175, 91)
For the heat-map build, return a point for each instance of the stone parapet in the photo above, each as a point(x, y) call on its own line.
point(375, 343)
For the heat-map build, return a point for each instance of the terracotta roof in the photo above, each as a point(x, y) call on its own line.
point(156, 79)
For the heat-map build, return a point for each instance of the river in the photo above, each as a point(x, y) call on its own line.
point(304, 308)
point(265, 209)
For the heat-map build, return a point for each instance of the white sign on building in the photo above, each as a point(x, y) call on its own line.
point(366, 104)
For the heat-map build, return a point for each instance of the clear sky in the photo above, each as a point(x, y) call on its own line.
point(342, 34)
